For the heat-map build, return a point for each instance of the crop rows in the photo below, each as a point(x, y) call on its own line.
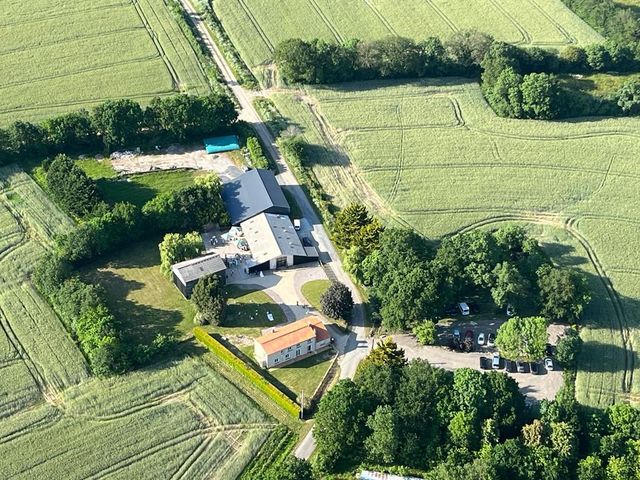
point(148, 424)
point(257, 26)
point(444, 169)
point(86, 54)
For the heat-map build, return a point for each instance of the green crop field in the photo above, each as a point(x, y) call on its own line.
point(432, 155)
point(257, 26)
point(68, 54)
point(37, 358)
point(180, 421)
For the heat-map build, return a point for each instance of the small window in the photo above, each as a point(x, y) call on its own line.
point(286, 356)
point(275, 360)
point(289, 349)
point(308, 348)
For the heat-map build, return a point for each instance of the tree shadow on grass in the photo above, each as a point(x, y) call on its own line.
point(564, 255)
point(115, 190)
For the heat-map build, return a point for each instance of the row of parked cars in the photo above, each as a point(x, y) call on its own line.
point(482, 340)
point(496, 363)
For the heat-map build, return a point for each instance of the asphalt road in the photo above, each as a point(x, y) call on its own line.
point(356, 346)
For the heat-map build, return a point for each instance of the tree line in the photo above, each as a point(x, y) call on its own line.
point(411, 279)
point(517, 82)
point(119, 123)
point(410, 417)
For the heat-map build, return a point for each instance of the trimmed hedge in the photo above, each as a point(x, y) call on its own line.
point(246, 371)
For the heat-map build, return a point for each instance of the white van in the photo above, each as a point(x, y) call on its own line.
point(296, 224)
point(464, 308)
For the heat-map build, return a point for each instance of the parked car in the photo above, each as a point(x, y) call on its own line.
point(481, 339)
point(474, 307)
point(296, 224)
point(495, 362)
point(464, 308)
point(456, 334)
point(510, 311)
point(548, 364)
point(519, 366)
point(483, 363)
point(549, 349)
point(533, 368)
point(491, 340)
point(508, 366)
point(468, 335)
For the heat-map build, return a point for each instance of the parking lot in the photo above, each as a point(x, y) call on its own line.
point(536, 387)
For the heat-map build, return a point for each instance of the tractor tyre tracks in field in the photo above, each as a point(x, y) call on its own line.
point(381, 17)
point(526, 37)
point(570, 225)
point(332, 28)
point(257, 26)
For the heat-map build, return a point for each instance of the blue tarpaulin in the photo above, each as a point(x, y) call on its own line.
point(221, 144)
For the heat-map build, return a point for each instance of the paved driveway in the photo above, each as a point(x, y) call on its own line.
point(535, 387)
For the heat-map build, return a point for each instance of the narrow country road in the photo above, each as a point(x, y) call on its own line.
point(356, 346)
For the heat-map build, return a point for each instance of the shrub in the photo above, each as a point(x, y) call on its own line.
point(258, 160)
point(425, 332)
point(246, 371)
point(568, 349)
point(337, 301)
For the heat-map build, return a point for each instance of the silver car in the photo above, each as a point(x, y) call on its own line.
point(548, 364)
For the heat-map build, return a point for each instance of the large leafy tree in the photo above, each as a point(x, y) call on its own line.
point(348, 224)
point(69, 132)
point(71, 187)
point(509, 286)
point(337, 301)
point(176, 248)
point(118, 121)
point(523, 338)
point(291, 468)
point(383, 444)
point(563, 293)
point(629, 97)
point(540, 96)
point(209, 299)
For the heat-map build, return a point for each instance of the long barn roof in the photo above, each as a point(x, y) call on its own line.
point(252, 193)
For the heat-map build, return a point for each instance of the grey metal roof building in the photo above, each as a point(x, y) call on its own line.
point(254, 192)
point(186, 274)
point(274, 243)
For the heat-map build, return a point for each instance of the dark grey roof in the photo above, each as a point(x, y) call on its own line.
point(253, 192)
point(196, 268)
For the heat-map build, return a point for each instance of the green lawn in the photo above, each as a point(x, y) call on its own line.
point(305, 375)
point(145, 301)
point(313, 290)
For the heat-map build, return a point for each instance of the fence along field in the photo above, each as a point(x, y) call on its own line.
point(436, 158)
point(179, 421)
point(37, 358)
point(257, 26)
point(62, 55)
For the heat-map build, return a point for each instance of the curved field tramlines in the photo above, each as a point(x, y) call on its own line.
point(440, 161)
point(257, 26)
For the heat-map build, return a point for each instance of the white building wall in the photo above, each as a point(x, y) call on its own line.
point(288, 355)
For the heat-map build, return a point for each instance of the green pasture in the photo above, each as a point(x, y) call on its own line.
point(180, 419)
point(433, 156)
point(303, 377)
point(145, 302)
point(67, 55)
point(257, 26)
point(313, 290)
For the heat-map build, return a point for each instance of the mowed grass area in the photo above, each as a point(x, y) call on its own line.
point(257, 26)
point(313, 290)
point(303, 377)
point(145, 302)
point(181, 419)
point(38, 359)
point(69, 54)
point(138, 188)
point(433, 156)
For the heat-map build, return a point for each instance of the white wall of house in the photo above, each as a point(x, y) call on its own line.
point(286, 355)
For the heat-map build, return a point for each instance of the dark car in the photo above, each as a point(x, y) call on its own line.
point(474, 307)
point(306, 242)
point(520, 366)
point(508, 366)
point(549, 349)
point(468, 334)
point(483, 363)
point(534, 368)
point(452, 310)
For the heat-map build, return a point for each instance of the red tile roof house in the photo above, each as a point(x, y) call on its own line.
point(292, 342)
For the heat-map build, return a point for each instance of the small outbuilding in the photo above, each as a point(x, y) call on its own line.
point(186, 274)
point(274, 243)
point(292, 342)
point(252, 193)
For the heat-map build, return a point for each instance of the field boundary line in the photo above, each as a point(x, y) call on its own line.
point(66, 14)
point(257, 25)
point(154, 39)
point(381, 17)
point(332, 28)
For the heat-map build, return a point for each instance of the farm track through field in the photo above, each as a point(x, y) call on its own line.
point(42, 423)
point(334, 31)
point(624, 270)
point(376, 98)
point(154, 38)
point(381, 17)
point(526, 37)
point(192, 459)
point(401, 160)
point(563, 31)
point(576, 136)
point(448, 22)
point(79, 71)
point(84, 11)
point(257, 26)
